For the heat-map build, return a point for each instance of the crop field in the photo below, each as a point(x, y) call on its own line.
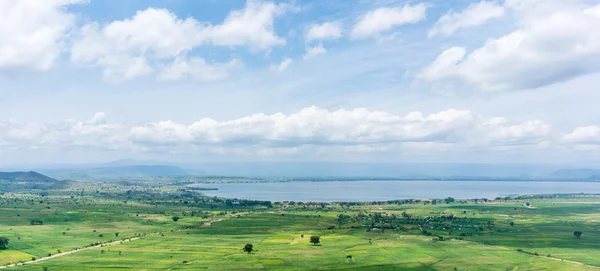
point(186, 231)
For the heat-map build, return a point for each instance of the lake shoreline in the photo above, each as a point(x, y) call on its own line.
point(365, 191)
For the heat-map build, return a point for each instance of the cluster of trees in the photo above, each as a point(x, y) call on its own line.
point(244, 202)
point(177, 197)
point(36, 222)
point(3, 242)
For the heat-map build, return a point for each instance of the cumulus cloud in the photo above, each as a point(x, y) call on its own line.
point(140, 45)
point(93, 133)
point(314, 51)
point(357, 130)
point(584, 135)
point(282, 66)
point(475, 14)
point(325, 31)
point(33, 33)
point(383, 19)
point(556, 42)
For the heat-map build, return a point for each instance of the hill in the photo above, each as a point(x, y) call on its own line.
point(28, 180)
point(570, 174)
point(22, 176)
point(594, 178)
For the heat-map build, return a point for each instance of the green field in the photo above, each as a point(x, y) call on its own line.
point(211, 232)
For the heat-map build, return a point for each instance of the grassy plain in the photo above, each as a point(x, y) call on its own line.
point(211, 233)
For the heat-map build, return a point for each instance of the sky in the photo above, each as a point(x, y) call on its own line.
point(513, 81)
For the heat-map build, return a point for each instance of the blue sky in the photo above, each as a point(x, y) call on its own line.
point(380, 80)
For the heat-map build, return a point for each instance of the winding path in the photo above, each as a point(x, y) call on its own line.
point(206, 224)
point(71, 252)
point(541, 256)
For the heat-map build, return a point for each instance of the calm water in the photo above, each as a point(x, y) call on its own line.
point(389, 190)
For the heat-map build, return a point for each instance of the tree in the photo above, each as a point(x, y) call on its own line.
point(248, 248)
point(342, 219)
point(3, 242)
point(175, 218)
point(577, 234)
point(512, 223)
point(315, 239)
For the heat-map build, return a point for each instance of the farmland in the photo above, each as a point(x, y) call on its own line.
point(173, 228)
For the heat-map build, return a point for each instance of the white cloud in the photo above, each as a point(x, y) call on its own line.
point(285, 63)
point(584, 135)
point(252, 26)
point(383, 19)
point(557, 42)
point(315, 126)
point(529, 132)
point(593, 11)
point(144, 43)
point(443, 65)
point(120, 68)
point(325, 31)
point(198, 69)
point(475, 14)
point(125, 48)
point(33, 33)
point(314, 51)
point(94, 133)
point(360, 129)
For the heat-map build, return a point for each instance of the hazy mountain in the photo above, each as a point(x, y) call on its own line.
point(594, 178)
point(568, 174)
point(145, 168)
point(136, 171)
point(118, 171)
point(134, 162)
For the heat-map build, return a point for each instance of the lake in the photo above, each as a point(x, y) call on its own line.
point(332, 191)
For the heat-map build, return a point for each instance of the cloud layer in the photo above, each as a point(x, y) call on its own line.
point(357, 129)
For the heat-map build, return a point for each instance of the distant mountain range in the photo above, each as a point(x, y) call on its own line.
point(344, 170)
point(116, 172)
point(135, 171)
